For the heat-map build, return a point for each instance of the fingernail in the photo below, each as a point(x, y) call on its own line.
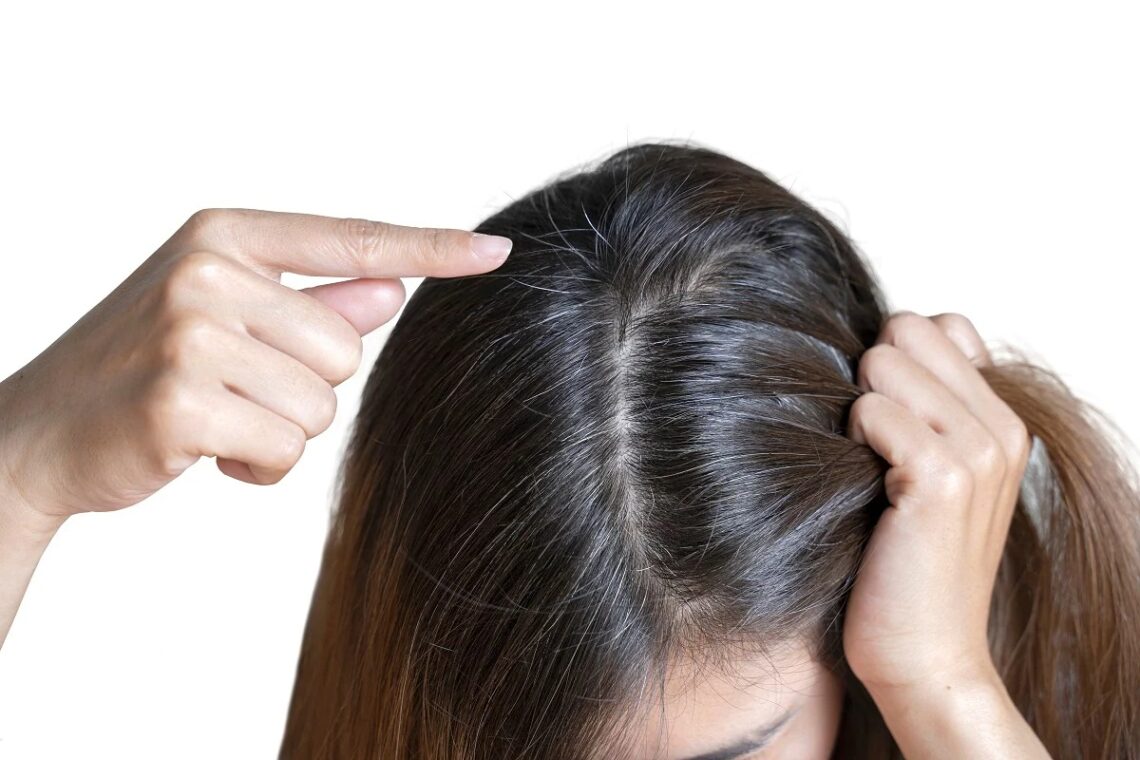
point(490, 247)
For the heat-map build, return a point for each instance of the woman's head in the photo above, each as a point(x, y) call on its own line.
point(616, 465)
point(600, 503)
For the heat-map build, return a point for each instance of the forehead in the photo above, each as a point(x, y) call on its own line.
point(707, 703)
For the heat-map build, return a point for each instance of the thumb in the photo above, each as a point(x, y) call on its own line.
point(366, 303)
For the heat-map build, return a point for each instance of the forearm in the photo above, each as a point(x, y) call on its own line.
point(24, 535)
point(975, 718)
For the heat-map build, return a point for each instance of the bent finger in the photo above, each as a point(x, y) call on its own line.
point(961, 331)
point(916, 453)
point(242, 430)
point(931, 347)
point(276, 381)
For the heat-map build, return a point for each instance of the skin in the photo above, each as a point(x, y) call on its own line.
point(202, 352)
point(783, 706)
point(915, 631)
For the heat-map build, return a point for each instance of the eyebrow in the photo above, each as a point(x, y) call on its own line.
point(760, 737)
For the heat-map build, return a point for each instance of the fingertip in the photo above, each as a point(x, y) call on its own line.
point(266, 477)
point(236, 470)
point(366, 303)
point(491, 249)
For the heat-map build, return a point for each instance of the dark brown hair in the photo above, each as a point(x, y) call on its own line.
point(629, 440)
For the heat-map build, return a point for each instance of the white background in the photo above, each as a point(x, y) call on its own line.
point(985, 159)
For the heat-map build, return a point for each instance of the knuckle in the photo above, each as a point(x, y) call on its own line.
point(878, 358)
point(345, 360)
point(170, 403)
point(953, 479)
point(205, 223)
point(197, 224)
point(1015, 437)
point(866, 400)
point(193, 272)
point(361, 239)
point(987, 455)
point(957, 323)
point(289, 446)
point(168, 413)
point(862, 409)
point(187, 341)
point(903, 324)
point(433, 247)
point(962, 332)
point(320, 411)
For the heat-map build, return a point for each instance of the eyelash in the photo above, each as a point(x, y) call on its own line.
point(757, 755)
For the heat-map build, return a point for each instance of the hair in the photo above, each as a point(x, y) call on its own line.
point(629, 441)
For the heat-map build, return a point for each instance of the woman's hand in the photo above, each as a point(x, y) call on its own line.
point(915, 630)
point(201, 351)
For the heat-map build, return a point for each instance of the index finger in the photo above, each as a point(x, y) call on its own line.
point(273, 242)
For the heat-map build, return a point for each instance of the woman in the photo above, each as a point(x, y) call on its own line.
point(669, 483)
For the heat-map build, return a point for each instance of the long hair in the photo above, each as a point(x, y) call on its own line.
point(629, 441)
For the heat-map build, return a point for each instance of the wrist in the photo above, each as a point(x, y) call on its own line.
point(966, 714)
point(19, 517)
point(21, 523)
point(972, 674)
point(24, 536)
point(979, 682)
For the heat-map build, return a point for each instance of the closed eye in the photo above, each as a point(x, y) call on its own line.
point(756, 739)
